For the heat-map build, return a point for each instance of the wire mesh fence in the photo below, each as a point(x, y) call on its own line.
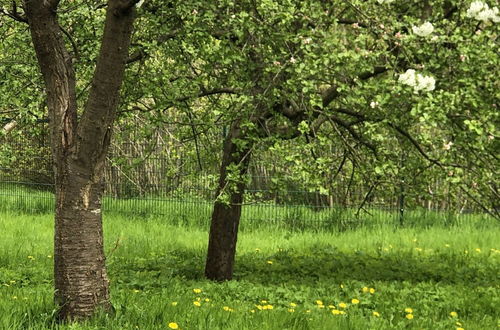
point(150, 179)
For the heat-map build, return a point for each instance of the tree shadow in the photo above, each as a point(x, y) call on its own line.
point(301, 269)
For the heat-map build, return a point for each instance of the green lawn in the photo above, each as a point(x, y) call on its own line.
point(154, 267)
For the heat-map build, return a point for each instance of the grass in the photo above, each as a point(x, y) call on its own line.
point(188, 211)
point(155, 264)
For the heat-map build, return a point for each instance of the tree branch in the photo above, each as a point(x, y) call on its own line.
point(14, 14)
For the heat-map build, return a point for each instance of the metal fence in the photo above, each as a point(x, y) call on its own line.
point(182, 191)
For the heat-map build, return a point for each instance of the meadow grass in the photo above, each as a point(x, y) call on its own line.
point(155, 265)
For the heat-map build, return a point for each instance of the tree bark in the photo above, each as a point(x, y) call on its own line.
point(226, 216)
point(79, 150)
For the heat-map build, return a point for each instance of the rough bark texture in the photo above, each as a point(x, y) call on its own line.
point(79, 150)
point(226, 218)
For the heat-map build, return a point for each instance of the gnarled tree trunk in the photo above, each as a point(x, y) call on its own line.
point(226, 216)
point(79, 150)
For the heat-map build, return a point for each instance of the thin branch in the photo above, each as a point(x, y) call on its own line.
point(72, 41)
point(14, 14)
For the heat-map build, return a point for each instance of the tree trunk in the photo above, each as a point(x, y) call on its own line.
point(226, 216)
point(79, 150)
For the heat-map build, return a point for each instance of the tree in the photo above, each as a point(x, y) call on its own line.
point(358, 74)
point(79, 147)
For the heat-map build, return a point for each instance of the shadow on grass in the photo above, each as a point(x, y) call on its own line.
point(303, 269)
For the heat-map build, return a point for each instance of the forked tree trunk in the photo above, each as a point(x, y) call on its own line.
point(79, 151)
point(226, 217)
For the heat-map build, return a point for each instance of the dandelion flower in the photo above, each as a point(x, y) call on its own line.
point(331, 306)
point(293, 304)
point(365, 289)
point(478, 250)
point(372, 290)
point(454, 314)
point(408, 310)
point(291, 310)
point(173, 325)
point(376, 314)
point(460, 329)
point(409, 316)
point(269, 262)
point(355, 301)
point(174, 303)
point(343, 305)
point(319, 302)
point(197, 303)
point(227, 309)
point(207, 300)
point(197, 290)
point(263, 301)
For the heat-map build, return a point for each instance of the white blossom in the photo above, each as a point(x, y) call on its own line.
point(482, 12)
point(293, 60)
point(373, 104)
point(447, 146)
point(418, 81)
point(423, 30)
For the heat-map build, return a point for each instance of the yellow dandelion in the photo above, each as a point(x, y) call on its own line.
point(227, 308)
point(335, 312)
point(174, 303)
point(207, 300)
point(409, 316)
point(269, 307)
point(331, 306)
point(365, 289)
point(408, 310)
point(355, 301)
point(460, 329)
point(478, 250)
point(197, 290)
point(343, 305)
point(319, 302)
point(458, 324)
point(342, 286)
point(259, 307)
point(372, 290)
point(270, 262)
point(252, 311)
point(376, 314)
point(308, 311)
point(263, 301)
point(197, 303)
point(31, 257)
point(257, 250)
point(291, 310)
point(293, 304)
point(453, 314)
point(173, 325)
point(136, 291)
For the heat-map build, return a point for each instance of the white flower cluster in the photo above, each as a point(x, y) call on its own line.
point(385, 1)
point(482, 12)
point(423, 30)
point(418, 81)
